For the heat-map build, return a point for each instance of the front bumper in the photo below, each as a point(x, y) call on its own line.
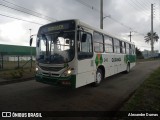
point(57, 81)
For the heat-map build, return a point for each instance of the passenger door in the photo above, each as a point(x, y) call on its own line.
point(85, 59)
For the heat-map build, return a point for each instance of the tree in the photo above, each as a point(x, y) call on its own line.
point(148, 37)
point(139, 54)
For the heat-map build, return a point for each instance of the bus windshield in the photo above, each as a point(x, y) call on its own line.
point(56, 47)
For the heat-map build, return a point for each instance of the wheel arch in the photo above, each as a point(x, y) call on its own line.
point(102, 69)
point(128, 63)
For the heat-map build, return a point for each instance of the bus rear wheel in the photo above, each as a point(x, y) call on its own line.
point(99, 77)
point(128, 68)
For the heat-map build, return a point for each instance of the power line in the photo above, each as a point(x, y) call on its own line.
point(88, 5)
point(145, 3)
point(122, 24)
point(51, 18)
point(22, 11)
point(20, 19)
point(139, 11)
point(30, 12)
point(93, 8)
point(149, 1)
point(142, 5)
point(138, 8)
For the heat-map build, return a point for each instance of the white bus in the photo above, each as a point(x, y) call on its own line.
point(72, 53)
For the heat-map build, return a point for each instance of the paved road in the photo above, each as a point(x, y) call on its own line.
point(33, 96)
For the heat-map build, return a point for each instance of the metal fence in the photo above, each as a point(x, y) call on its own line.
point(10, 62)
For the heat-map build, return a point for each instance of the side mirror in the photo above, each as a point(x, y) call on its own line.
point(31, 39)
point(84, 38)
point(67, 41)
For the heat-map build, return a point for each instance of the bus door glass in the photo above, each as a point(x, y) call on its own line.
point(85, 56)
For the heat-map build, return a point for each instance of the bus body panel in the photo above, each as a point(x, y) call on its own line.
point(84, 70)
point(85, 73)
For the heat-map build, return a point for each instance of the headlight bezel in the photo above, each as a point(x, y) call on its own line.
point(67, 72)
point(37, 69)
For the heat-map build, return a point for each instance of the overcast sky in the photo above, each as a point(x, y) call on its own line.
point(125, 16)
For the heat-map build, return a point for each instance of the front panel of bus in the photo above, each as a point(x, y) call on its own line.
point(55, 58)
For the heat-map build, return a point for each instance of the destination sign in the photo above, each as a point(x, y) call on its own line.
point(58, 26)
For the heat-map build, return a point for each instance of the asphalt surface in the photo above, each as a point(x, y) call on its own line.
point(109, 96)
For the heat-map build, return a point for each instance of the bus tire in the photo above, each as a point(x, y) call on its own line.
point(99, 78)
point(128, 68)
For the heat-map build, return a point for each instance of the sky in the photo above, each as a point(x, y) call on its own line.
point(122, 16)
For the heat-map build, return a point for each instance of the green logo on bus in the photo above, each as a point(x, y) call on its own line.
point(99, 59)
point(130, 58)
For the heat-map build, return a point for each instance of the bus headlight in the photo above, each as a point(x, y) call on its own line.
point(37, 69)
point(67, 72)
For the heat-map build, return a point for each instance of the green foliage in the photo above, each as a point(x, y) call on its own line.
point(147, 97)
point(148, 37)
point(17, 73)
point(139, 54)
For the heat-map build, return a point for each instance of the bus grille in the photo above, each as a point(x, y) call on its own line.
point(51, 68)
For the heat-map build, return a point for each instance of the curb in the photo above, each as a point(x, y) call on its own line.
point(16, 81)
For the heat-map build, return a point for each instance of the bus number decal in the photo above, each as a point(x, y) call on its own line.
point(116, 59)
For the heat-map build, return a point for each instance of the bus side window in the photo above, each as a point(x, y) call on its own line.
point(127, 48)
point(85, 46)
point(121, 47)
point(133, 48)
point(108, 43)
point(130, 49)
point(98, 42)
point(124, 48)
point(116, 46)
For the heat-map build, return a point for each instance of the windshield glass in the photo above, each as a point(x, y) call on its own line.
point(55, 48)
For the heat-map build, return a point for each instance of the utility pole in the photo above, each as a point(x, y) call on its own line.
point(101, 14)
point(31, 49)
point(152, 47)
point(130, 35)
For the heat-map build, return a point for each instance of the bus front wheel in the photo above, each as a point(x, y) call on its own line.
point(99, 77)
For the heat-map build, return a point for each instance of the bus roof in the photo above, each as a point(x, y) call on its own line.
point(102, 31)
point(90, 27)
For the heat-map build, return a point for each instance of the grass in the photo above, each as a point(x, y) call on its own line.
point(149, 59)
point(145, 99)
point(11, 70)
point(10, 65)
point(17, 73)
point(147, 96)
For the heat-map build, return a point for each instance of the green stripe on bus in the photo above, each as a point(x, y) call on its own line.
point(130, 58)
